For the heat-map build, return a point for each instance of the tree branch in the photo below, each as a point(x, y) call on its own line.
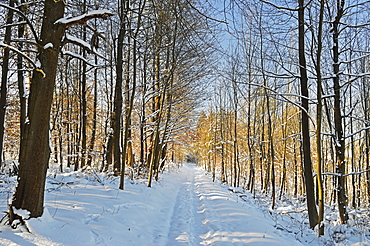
point(24, 17)
point(82, 19)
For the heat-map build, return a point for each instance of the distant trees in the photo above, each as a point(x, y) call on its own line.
point(301, 82)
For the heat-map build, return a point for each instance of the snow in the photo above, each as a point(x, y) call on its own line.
point(78, 41)
point(183, 208)
point(38, 63)
point(80, 17)
point(23, 213)
point(48, 46)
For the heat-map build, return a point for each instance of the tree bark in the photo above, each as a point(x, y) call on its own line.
point(339, 135)
point(118, 98)
point(307, 164)
point(320, 187)
point(35, 149)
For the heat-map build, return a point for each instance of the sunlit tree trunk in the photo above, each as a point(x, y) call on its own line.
point(222, 133)
point(35, 151)
point(320, 187)
point(365, 102)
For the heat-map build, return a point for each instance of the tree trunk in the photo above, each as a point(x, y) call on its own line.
point(93, 131)
point(320, 187)
point(35, 149)
point(116, 121)
point(4, 79)
point(307, 170)
point(142, 117)
point(83, 109)
point(339, 135)
point(21, 88)
point(250, 142)
point(365, 99)
point(236, 147)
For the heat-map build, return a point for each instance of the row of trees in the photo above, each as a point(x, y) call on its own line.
point(111, 89)
point(290, 115)
point(290, 105)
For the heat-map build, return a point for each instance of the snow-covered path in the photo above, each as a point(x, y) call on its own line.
point(207, 214)
point(184, 208)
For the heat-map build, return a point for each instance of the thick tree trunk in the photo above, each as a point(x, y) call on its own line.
point(35, 149)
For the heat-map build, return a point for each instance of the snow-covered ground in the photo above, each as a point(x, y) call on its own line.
point(184, 208)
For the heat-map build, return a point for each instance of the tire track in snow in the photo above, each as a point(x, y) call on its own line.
point(207, 214)
point(187, 221)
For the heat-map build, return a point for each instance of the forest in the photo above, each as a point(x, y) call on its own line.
point(268, 96)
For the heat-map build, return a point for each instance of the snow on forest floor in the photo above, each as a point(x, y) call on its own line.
point(184, 208)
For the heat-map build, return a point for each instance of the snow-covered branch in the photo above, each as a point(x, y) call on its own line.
point(82, 19)
point(89, 47)
point(80, 42)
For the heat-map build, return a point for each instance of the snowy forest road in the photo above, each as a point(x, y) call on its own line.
point(207, 214)
point(184, 207)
